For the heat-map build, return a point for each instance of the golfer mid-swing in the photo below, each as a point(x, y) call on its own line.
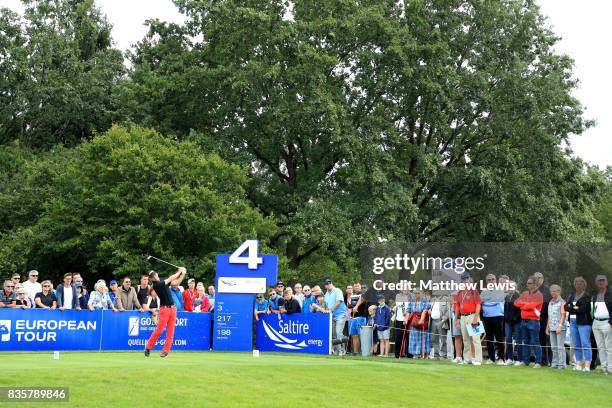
point(167, 310)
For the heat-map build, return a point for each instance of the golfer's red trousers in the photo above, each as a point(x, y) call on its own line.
point(167, 318)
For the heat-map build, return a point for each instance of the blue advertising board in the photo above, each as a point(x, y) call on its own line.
point(299, 333)
point(42, 329)
point(233, 312)
point(38, 329)
point(233, 322)
point(131, 330)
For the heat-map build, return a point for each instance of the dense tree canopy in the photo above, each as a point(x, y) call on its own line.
point(57, 73)
point(101, 206)
point(416, 120)
point(346, 122)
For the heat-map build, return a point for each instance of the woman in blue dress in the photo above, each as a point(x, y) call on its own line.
point(419, 344)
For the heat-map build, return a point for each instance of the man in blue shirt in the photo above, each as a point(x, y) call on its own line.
point(261, 306)
point(335, 301)
point(177, 295)
point(493, 320)
point(275, 302)
point(309, 299)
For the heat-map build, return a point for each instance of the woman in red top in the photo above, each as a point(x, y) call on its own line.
point(467, 310)
point(201, 302)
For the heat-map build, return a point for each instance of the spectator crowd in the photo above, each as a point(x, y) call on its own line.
point(73, 295)
point(516, 328)
point(538, 325)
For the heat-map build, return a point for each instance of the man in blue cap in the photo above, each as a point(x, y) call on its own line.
point(335, 302)
point(113, 293)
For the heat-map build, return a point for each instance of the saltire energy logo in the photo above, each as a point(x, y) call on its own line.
point(289, 328)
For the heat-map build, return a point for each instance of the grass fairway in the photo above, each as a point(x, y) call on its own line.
point(214, 379)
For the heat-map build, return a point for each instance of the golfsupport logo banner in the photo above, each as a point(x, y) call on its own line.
point(301, 333)
point(31, 330)
point(131, 330)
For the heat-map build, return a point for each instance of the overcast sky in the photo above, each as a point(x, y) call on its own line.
point(583, 25)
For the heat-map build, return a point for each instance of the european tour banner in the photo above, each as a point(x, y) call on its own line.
point(43, 329)
point(298, 333)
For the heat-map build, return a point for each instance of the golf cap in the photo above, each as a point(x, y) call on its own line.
point(465, 275)
point(113, 282)
point(280, 283)
point(601, 278)
point(260, 296)
point(306, 287)
point(191, 280)
point(328, 281)
point(381, 296)
point(151, 273)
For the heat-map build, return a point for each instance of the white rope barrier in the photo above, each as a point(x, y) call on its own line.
point(483, 340)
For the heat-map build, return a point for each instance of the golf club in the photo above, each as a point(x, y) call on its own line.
point(149, 257)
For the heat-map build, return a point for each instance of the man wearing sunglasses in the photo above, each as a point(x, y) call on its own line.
point(16, 278)
point(7, 296)
point(32, 286)
point(275, 302)
point(309, 299)
point(280, 289)
point(128, 298)
point(46, 299)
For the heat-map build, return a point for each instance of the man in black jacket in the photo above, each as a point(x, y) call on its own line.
point(601, 308)
point(512, 322)
point(291, 304)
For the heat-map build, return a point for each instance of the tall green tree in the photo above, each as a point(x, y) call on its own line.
point(58, 70)
point(420, 120)
point(128, 192)
point(603, 209)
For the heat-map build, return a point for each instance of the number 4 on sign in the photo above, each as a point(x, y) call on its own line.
point(252, 260)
